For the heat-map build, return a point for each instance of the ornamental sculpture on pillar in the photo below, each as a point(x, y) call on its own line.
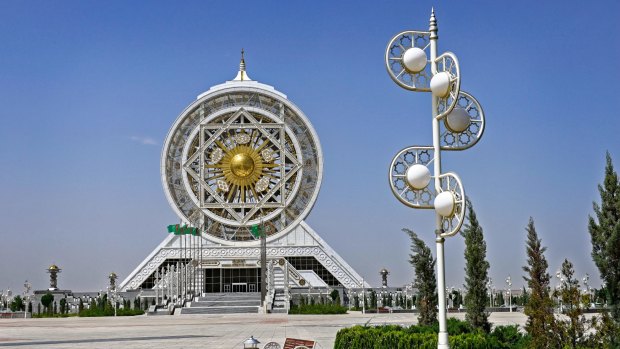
point(112, 278)
point(53, 270)
point(384, 273)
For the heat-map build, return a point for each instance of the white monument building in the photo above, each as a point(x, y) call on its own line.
point(239, 160)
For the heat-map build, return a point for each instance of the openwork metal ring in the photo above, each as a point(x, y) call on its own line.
point(453, 140)
point(396, 48)
point(415, 198)
point(451, 225)
point(448, 63)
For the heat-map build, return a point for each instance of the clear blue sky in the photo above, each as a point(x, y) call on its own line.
point(89, 89)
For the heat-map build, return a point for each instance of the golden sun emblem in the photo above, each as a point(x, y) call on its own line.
point(243, 171)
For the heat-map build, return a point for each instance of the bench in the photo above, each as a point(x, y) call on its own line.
point(292, 343)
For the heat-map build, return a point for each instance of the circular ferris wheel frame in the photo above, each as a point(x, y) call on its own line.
point(300, 168)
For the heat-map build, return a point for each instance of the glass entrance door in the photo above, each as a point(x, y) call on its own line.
point(232, 280)
point(239, 287)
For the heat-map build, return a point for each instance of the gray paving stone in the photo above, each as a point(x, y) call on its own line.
point(225, 331)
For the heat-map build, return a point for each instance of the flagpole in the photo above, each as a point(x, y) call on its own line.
point(200, 259)
point(184, 267)
point(178, 288)
point(194, 262)
point(189, 264)
point(263, 264)
point(181, 274)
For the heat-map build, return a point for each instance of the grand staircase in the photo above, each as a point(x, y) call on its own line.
point(224, 303)
point(279, 286)
point(249, 302)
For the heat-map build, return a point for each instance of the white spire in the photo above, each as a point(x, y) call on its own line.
point(433, 24)
point(242, 75)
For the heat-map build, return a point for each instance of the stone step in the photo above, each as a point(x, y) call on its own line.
point(215, 299)
point(220, 310)
point(228, 296)
point(226, 303)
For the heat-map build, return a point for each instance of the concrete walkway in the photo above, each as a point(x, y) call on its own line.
point(195, 331)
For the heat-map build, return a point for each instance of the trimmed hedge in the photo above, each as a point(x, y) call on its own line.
point(425, 337)
point(95, 312)
point(318, 309)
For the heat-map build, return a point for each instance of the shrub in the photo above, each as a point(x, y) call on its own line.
point(318, 309)
point(462, 335)
point(96, 312)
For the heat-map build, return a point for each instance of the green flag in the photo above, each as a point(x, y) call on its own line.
point(256, 230)
point(178, 230)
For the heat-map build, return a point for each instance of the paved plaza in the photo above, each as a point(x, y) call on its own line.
point(195, 331)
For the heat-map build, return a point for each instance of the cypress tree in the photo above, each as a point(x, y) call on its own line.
point(423, 265)
point(539, 308)
point(605, 237)
point(572, 330)
point(476, 272)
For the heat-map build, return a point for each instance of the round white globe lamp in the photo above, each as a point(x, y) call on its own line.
point(418, 176)
point(444, 204)
point(458, 120)
point(414, 60)
point(440, 84)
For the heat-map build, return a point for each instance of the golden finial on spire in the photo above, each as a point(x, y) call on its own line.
point(242, 64)
point(241, 75)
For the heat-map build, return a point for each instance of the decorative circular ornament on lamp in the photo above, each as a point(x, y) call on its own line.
point(444, 204)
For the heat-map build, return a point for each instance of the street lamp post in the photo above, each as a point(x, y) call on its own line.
point(509, 283)
point(363, 297)
point(457, 123)
point(586, 280)
point(490, 288)
point(27, 287)
point(558, 274)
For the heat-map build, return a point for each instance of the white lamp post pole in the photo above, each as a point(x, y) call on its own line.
point(457, 124)
point(442, 340)
point(585, 282)
point(363, 297)
point(27, 287)
point(560, 277)
point(509, 283)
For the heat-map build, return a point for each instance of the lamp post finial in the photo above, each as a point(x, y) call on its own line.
point(433, 24)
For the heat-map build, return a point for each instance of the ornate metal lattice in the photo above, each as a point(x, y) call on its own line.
point(452, 224)
point(424, 198)
point(416, 198)
point(414, 81)
point(451, 140)
point(447, 63)
point(240, 157)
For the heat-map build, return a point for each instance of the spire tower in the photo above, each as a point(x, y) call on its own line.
point(242, 75)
